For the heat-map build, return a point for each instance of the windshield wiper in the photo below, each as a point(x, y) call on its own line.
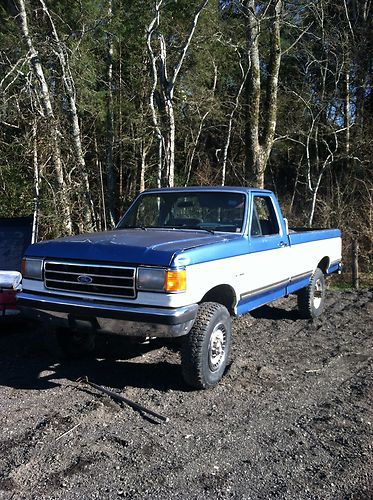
point(199, 228)
point(211, 231)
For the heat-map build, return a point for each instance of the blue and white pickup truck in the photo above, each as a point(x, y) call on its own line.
point(181, 262)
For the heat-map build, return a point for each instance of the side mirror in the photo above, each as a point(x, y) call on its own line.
point(286, 225)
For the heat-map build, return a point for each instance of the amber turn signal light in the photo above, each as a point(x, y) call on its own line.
point(175, 281)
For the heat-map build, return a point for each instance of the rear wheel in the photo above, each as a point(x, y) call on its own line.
point(206, 348)
point(311, 300)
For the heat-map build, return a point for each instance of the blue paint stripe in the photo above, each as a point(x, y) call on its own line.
point(306, 236)
point(265, 289)
point(245, 246)
point(298, 285)
point(334, 267)
point(248, 304)
point(257, 298)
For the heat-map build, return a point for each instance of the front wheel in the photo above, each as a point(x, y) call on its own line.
point(311, 300)
point(205, 352)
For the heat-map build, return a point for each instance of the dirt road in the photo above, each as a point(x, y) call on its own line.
point(292, 418)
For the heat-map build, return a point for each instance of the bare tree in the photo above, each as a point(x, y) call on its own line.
point(260, 131)
point(68, 83)
point(152, 29)
point(36, 198)
point(110, 170)
point(244, 74)
point(20, 14)
point(164, 81)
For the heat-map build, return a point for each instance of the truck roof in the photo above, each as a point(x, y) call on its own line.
point(239, 189)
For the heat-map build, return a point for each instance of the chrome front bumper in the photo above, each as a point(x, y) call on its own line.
point(128, 320)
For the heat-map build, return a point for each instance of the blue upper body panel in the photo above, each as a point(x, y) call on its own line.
point(173, 247)
point(231, 189)
point(131, 246)
point(313, 235)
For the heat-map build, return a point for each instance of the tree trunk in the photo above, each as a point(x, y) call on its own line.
point(253, 87)
point(36, 200)
point(45, 99)
point(110, 170)
point(347, 111)
point(68, 82)
point(152, 29)
point(270, 113)
point(355, 263)
point(164, 120)
point(259, 146)
point(142, 169)
point(102, 211)
point(230, 124)
point(166, 91)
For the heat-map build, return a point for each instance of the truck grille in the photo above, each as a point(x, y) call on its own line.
point(97, 279)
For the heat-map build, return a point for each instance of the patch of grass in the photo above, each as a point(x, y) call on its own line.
point(343, 282)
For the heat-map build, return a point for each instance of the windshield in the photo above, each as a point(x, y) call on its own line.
point(210, 211)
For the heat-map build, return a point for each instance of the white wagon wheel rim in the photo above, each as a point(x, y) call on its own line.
point(318, 294)
point(217, 347)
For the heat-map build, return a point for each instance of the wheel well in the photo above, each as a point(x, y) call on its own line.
point(222, 294)
point(324, 264)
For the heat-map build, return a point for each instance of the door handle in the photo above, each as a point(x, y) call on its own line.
point(282, 244)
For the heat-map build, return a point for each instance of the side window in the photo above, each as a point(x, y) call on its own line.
point(264, 221)
point(255, 225)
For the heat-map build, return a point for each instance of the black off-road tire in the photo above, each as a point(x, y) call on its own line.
point(205, 351)
point(311, 299)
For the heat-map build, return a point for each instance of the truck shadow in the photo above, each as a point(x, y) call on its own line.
point(276, 313)
point(25, 362)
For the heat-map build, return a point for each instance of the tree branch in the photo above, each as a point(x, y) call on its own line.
point(185, 48)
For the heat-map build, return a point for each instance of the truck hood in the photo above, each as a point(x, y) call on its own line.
point(128, 246)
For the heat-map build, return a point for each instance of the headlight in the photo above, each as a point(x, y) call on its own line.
point(32, 268)
point(161, 280)
point(151, 280)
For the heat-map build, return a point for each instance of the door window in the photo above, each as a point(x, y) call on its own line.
point(264, 220)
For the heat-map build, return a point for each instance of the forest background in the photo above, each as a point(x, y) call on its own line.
point(102, 99)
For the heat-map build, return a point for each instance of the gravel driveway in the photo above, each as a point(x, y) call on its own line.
point(291, 419)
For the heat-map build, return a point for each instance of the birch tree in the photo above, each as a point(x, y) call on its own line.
point(260, 128)
point(109, 160)
point(68, 83)
point(21, 17)
point(164, 82)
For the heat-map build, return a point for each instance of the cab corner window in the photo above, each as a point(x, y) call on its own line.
point(264, 220)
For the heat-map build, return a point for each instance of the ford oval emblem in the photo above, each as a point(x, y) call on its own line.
point(85, 279)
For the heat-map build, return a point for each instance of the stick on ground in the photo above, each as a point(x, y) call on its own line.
point(122, 399)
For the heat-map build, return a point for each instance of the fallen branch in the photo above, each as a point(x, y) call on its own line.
point(122, 399)
point(68, 432)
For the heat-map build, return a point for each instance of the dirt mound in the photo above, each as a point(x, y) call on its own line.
point(292, 417)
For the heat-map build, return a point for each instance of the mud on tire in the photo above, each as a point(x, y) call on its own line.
point(205, 351)
point(311, 299)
